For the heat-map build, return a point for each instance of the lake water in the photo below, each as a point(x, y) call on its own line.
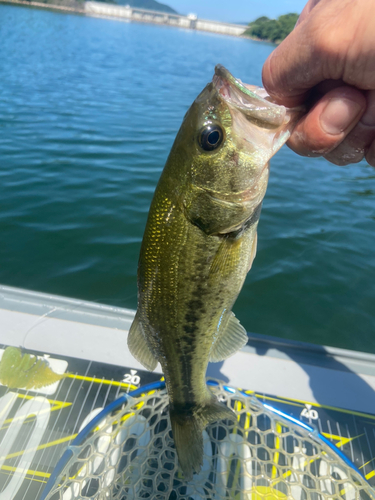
point(89, 109)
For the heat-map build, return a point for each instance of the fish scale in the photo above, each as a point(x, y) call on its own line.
point(199, 243)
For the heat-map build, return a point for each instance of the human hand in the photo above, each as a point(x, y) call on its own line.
point(329, 61)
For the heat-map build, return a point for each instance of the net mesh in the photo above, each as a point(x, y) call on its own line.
point(131, 455)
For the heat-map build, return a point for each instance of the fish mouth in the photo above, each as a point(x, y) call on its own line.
point(252, 101)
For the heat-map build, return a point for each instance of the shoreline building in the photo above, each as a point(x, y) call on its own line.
point(191, 21)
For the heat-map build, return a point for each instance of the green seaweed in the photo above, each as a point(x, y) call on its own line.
point(20, 370)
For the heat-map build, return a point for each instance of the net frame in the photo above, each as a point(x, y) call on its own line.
point(351, 485)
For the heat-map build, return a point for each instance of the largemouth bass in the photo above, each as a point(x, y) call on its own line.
point(199, 243)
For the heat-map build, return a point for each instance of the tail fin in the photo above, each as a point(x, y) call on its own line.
point(187, 428)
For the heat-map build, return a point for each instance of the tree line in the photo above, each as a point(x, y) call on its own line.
point(274, 30)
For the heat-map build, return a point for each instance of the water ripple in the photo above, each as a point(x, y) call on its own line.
point(89, 109)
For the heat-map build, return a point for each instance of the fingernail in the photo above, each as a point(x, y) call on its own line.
point(338, 115)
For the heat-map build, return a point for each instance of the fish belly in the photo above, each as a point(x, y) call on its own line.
point(188, 282)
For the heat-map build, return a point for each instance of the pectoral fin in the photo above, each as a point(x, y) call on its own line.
point(229, 253)
point(227, 257)
point(232, 337)
point(253, 251)
point(138, 346)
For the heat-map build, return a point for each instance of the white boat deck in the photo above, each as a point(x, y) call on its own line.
point(330, 389)
point(86, 330)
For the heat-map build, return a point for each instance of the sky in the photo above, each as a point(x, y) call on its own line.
point(235, 11)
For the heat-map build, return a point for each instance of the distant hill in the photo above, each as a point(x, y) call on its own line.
point(273, 30)
point(147, 4)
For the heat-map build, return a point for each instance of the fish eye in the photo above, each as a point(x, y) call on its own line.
point(211, 137)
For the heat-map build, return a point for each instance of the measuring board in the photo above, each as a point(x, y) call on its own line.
point(38, 425)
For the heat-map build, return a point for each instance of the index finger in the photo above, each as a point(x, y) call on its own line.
point(306, 10)
point(292, 69)
point(316, 50)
